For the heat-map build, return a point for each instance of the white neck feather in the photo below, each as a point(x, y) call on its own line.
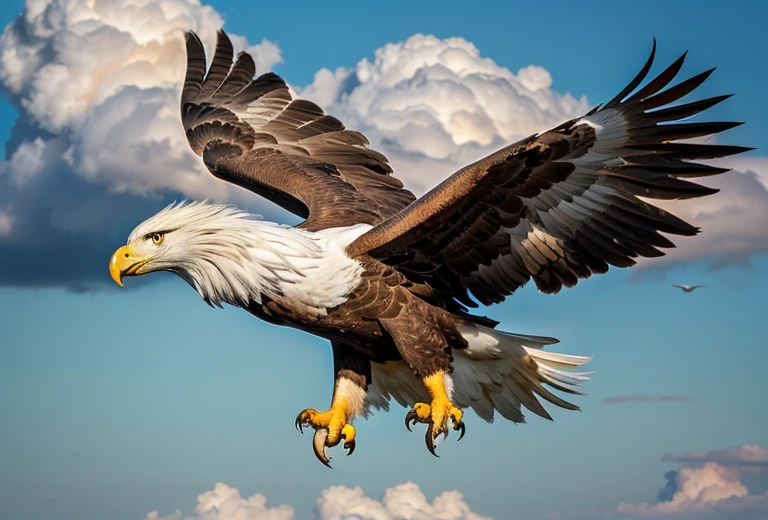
point(240, 264)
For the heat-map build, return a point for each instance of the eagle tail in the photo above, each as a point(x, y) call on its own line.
point(504, 372)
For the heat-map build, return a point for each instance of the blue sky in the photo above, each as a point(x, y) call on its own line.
point(119, 402)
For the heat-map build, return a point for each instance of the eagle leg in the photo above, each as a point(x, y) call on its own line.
point(437, 414)
point(353, 375)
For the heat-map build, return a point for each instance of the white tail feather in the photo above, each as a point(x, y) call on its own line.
point(554, 359)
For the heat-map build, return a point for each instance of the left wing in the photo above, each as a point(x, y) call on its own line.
point(561, 205)
point(252, 133)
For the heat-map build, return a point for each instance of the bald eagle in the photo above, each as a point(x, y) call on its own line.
point(389, 279)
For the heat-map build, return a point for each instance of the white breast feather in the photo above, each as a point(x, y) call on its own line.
point(327, 279)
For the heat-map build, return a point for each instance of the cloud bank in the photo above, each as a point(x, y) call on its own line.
point(98, 146)
point(402, 502)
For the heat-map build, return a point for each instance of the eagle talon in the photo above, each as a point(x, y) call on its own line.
point(430, 438)
point(459, 427)
point(350, 447)
point(411, 418)
point(304, 419)
point(436, 417)
point(299, 424)
point(330, 428)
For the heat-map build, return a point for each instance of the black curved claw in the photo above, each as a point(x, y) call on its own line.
point(318, 445)
point(411, 418)
point(350, 447)
point(459, 427)
point(430, 437)
point(298, 423)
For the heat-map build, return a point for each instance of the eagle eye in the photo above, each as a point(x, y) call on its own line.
point(157, 238)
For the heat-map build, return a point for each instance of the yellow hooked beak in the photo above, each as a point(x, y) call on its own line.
point(125, 263)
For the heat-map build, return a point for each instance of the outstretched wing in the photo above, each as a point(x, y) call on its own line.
point(561, 205)
point(251, 132)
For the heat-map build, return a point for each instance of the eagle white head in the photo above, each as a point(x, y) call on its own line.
point(230, 256)
point(226, 254)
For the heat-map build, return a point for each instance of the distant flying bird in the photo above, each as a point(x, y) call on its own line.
point(387, 278)
point(688, 288)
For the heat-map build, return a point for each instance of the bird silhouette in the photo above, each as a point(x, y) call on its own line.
point(688, 288)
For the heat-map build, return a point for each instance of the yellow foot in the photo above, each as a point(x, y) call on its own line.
point(330, 427)
point(437, 414)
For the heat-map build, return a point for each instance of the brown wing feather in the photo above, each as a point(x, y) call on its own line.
point(561, 205)
point(251, 132)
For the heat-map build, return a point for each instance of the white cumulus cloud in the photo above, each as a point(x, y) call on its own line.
point(402, 502)
point(26, 162)
point(107, 76)
point(433, 105)
point(696, 488)
point(225, 503)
